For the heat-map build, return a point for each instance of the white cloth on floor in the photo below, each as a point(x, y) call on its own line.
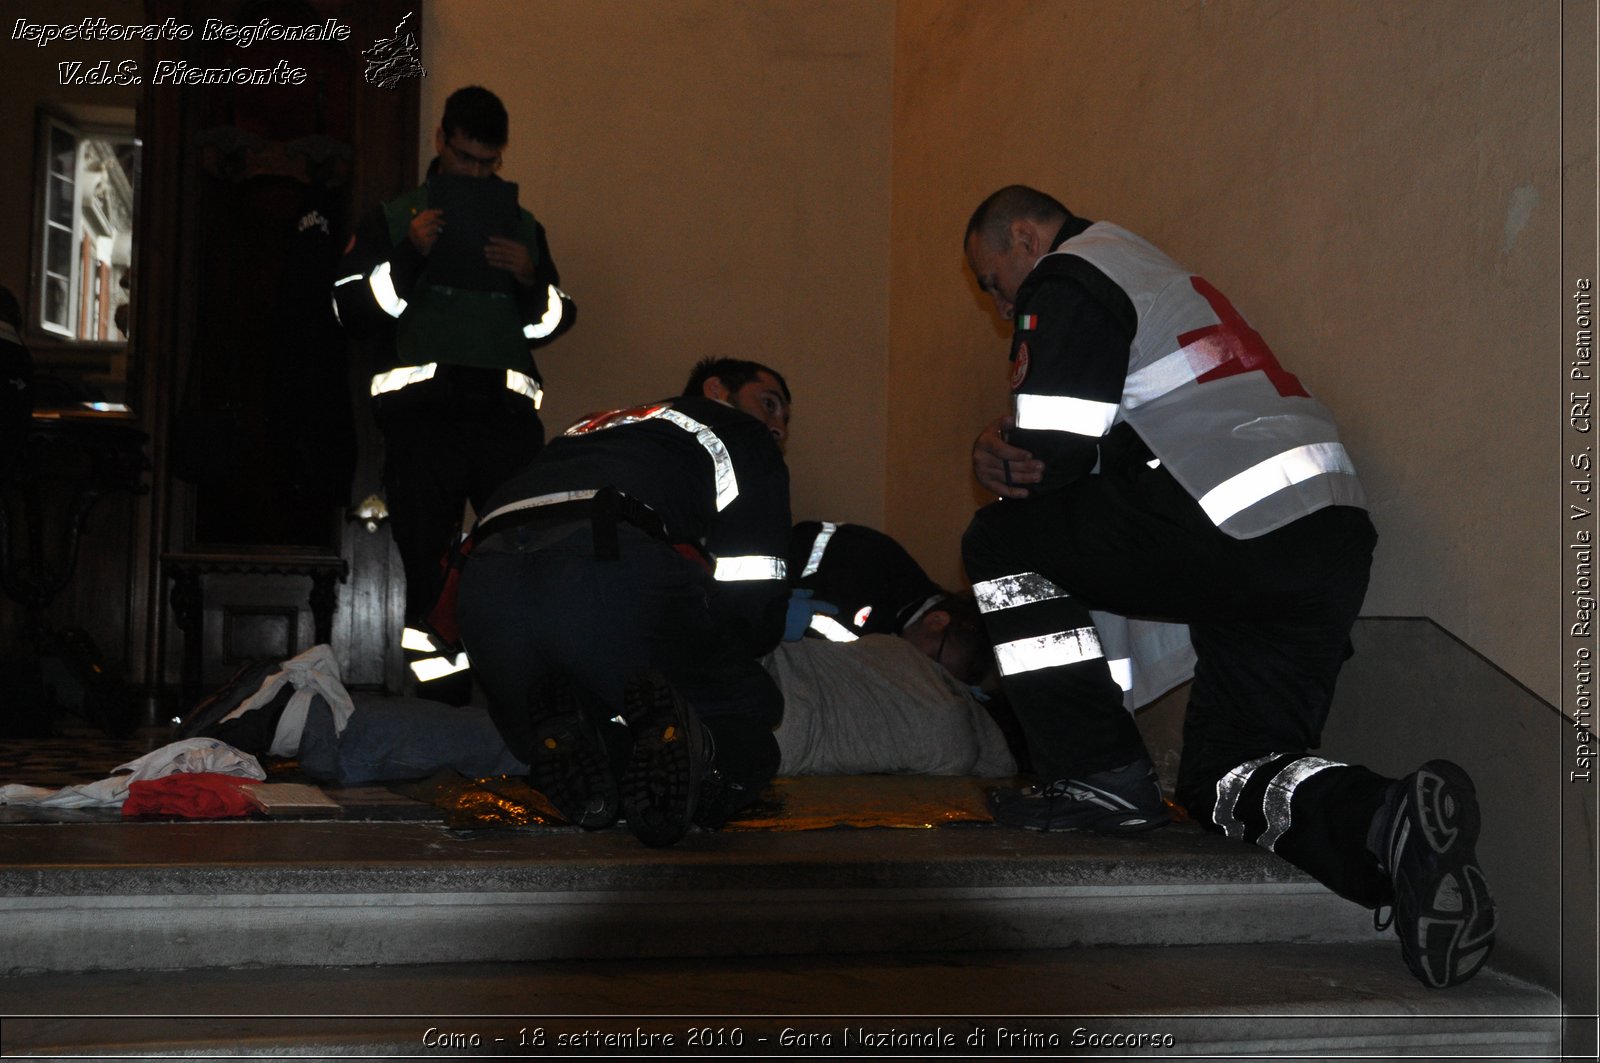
point(189, 755)
point(315, 671)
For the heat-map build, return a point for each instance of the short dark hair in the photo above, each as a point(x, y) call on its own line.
point(967, 645)
point(994, 215)
point(734, 373)
point(478, 113)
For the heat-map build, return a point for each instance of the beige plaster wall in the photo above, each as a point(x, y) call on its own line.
point(714, 179)
point(1374, 185)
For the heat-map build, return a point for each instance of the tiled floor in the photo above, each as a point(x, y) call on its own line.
point(78, 754)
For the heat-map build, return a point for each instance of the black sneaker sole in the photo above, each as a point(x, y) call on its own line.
point(1444, 914)
point(664, 771)
point(569, 763)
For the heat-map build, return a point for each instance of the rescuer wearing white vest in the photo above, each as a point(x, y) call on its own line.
point(1160, 463)
point(456, 391)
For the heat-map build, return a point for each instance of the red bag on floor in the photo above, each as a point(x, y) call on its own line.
point(190, 794)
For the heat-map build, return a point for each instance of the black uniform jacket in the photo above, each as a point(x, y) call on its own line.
point(1080, 347)
point(712, 474)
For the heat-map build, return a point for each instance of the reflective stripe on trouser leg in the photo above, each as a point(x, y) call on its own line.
point(1229, 787)
point(1278, 801)
point(1056, 675)
point(1053, 650)
point(430, 668)
point(1033, 652)
point(1072, 714)
point(1312, 812)
point(1011, 592)
point(1271, 803)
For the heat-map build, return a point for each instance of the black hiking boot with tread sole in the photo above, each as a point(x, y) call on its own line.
point(669, 764)
point(570, 765)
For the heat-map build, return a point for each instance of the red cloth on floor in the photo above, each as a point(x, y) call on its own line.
point(190, 794)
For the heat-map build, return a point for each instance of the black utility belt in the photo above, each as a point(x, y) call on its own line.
point(604, 508)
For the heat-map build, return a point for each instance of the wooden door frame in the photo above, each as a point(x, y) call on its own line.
point(165, 313)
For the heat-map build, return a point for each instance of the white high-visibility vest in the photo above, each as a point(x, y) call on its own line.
point(1208, 397)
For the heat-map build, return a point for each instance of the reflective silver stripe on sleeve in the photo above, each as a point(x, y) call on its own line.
point(1008, 592)
point(1229, 787)
point(382, 286)
point(831, 629)
point(403, 377)
point(342, 281)
point(523, 384)
point(1048, 651)
point(722, 462)
point(538, 500)
point(1277, 801)
point(549, 319)
point(1063, 413)
point(1268, 477)
point(818, 545)
point(749, 568)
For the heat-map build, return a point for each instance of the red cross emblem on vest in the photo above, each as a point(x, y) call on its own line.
point(1231, 346)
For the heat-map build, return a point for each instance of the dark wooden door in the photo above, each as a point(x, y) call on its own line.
point(264, 443)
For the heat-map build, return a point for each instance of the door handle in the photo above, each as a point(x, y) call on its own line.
point(372, 512)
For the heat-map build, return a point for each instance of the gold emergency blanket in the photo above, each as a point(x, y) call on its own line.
point(813, 802)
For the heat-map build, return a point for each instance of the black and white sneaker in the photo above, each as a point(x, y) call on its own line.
point(670, 765)
point(569, 763)
point(1443, 912)
point(1122, 800)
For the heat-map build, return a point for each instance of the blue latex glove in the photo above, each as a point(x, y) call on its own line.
point(801, 608)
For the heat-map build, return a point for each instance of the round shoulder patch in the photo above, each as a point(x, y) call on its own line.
point(1019, 366)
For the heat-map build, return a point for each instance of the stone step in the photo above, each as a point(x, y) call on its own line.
point(1222, 1001)
point(96, 896)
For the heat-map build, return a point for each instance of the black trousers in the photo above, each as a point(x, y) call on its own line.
point(535, 597)
point(1269, 617)
point(448, 441)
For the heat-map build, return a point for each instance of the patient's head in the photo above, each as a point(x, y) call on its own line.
point(950, 631)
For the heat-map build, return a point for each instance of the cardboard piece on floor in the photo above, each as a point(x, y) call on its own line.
point(290, 799)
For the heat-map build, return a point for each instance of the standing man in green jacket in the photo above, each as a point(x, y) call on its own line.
point(456, 285)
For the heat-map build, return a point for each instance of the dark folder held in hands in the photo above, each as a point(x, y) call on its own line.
point(475, 208)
